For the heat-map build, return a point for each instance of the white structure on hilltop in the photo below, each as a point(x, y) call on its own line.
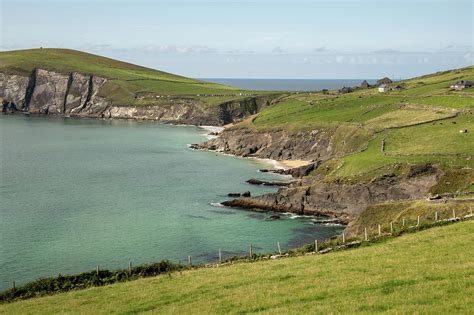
point(461, 85)
point(384, 88)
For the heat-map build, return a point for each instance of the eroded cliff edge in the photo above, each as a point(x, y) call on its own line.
point(79, 95)
point(314, 194)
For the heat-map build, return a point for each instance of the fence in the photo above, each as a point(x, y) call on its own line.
point(102, 277)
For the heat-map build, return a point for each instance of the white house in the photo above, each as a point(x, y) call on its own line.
point(384, 88)
point(458, 86)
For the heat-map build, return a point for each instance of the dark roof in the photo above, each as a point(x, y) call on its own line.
point(384, 80)
point(462, 82)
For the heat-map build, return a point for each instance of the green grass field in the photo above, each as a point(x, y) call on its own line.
point(431, 271)
point(419, 124)
point(125, 80)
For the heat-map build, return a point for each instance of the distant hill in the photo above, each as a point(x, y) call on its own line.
point(77, 84)
point(125, 80)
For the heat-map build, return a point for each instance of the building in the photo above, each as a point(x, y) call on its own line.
point(384, 81)
point(364, 84)
point(398, 88)
point(461, 85)
point(384, 88)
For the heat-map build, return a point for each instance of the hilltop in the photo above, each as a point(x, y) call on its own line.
point(408, 274)
point(73, 83)
point(124, 78)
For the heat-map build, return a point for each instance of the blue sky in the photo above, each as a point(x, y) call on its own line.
point(254, 39)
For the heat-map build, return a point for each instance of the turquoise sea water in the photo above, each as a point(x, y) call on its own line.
point(79, 193)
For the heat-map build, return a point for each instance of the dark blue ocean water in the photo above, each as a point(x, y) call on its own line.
point(289, 84)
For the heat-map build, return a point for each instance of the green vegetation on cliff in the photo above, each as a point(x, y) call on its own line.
point(429, 271)
point(425, 122)
point(127, 84)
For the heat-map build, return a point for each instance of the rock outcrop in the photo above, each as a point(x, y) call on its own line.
point(76, 94)
point(340, 200)
point(14, 88)
point(317, 145)
point(48, 94)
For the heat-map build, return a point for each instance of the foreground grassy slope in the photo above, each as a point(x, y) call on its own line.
point(125, 80)
point(427, 272)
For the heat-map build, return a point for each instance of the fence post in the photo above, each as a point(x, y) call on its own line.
point(129, 268)
point(97, 270)
point(380, 231)
point(454, 214)
point(436, 216)
point(250, 251)
point(279, 248)
point(343, 238)
point(365, 234)
point(189, 261)
point(418, 221)
point(403, 222)
point(316, 249)
point(470, 209)
point(220, 256)
point(391, 227)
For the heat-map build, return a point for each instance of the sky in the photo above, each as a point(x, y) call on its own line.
point(318, 39)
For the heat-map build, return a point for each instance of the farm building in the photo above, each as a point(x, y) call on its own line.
point(458, 86)
point(364, 84)
point(384, 81)
point(384, 88)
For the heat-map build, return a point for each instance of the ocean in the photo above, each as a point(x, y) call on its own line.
point(290, 84)
point(77, 193)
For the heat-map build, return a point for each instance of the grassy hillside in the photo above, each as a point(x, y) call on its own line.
point(125, 80)
point(422, 99)
point(425, 272)
point(419, 124)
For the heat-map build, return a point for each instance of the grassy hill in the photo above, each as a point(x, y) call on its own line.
point(426, 272)
point(125, 80)
point(419, 124)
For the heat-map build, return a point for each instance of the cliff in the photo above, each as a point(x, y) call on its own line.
point(79, 95)
point(318, 144)
point(343, 201)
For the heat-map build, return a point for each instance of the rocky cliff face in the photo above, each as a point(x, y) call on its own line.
point(318, 145)
point(311, 194)
point(339, 200)
point(13, 87)
point(76, 94)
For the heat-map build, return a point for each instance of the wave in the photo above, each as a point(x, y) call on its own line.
point(217, 204)
point(297, 216)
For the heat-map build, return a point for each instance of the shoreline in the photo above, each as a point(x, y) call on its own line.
point(214, 131)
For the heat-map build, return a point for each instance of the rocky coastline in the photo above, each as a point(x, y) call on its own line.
point(74, 94)
point(310, 194)
point(78, 95)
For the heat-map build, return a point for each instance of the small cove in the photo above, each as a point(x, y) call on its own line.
point(75, 194)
